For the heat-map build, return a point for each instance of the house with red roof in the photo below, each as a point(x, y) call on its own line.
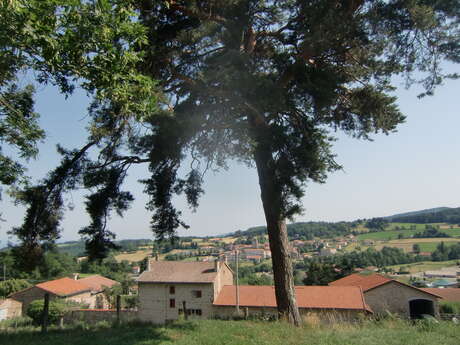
point(205, 290)
point(327, 303)
point(63, 288)
point(385, 295)
point(87, 291)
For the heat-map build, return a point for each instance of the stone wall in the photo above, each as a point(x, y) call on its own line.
point(224, 277)
point(394, 297)
point(10, 308)
point(154, 301)
point(96, 315)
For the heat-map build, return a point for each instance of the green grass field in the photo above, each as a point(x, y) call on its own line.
point(431, 246)
point(211, 332)
point(426, 244)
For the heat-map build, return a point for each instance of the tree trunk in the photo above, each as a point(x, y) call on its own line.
point(277, 234)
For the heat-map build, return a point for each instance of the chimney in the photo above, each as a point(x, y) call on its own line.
point(75, 276)
point(148, 263)
point(217, 265)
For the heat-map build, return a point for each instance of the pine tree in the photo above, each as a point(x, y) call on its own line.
point(264, 82)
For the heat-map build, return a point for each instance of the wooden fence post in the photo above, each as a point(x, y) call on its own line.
point(46, 305)
point(184, 306)
point(118, 308)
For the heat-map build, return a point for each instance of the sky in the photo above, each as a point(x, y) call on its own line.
point(415, 168)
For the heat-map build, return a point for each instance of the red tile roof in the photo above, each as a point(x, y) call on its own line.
point(447, 294)
point(366, 282)
point(97, 283)
point(311, 297)
point(63, 287)
point(370, 281)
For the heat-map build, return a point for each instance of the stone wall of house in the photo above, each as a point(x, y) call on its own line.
point(85, 298)
point(28, 296)
point(224, 277)
point(322, 316)
point(394, 298)
point(9, 308)
point(95, 315)
point(155, 301)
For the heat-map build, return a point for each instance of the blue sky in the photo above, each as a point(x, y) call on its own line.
point(415, 168)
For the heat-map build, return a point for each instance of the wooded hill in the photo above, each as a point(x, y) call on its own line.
point(439, 215)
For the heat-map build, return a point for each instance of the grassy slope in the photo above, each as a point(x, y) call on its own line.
point(211, 332)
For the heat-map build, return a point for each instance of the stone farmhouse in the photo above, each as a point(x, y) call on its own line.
point(385, 295)
point(205, 290)
point(87, 291)
point(170, 288)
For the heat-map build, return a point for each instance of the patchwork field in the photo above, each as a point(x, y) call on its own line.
point(133, 257)
point(426, 244)
point(393, 234)
point(425, 266)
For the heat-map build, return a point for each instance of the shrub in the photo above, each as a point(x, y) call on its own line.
point(129, 301)
point(16, 322)
point(449, 307)
point(10, 286)
point(55, 312)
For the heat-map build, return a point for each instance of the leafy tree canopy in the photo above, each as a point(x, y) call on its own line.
point(265, 82)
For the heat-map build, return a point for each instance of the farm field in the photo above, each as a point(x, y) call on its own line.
point(133, 257)
point(211, 332)
point(393, 234)
point(426, 244)
point(425, 266)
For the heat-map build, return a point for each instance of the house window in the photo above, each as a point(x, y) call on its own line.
point(172, 303)
point(196, 312)
point(172, 290)
point(196, 293)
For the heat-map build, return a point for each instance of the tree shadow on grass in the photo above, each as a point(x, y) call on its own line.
point(127, 334)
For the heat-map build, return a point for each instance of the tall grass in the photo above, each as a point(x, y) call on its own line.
point(210, 332)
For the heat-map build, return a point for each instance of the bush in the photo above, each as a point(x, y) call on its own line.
point(10, 286)
point(129, 301)
point(449, 307)
point(16, 322)
point(55, 312)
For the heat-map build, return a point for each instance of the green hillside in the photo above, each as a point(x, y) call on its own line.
point(417, 213)
point(437, 215)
